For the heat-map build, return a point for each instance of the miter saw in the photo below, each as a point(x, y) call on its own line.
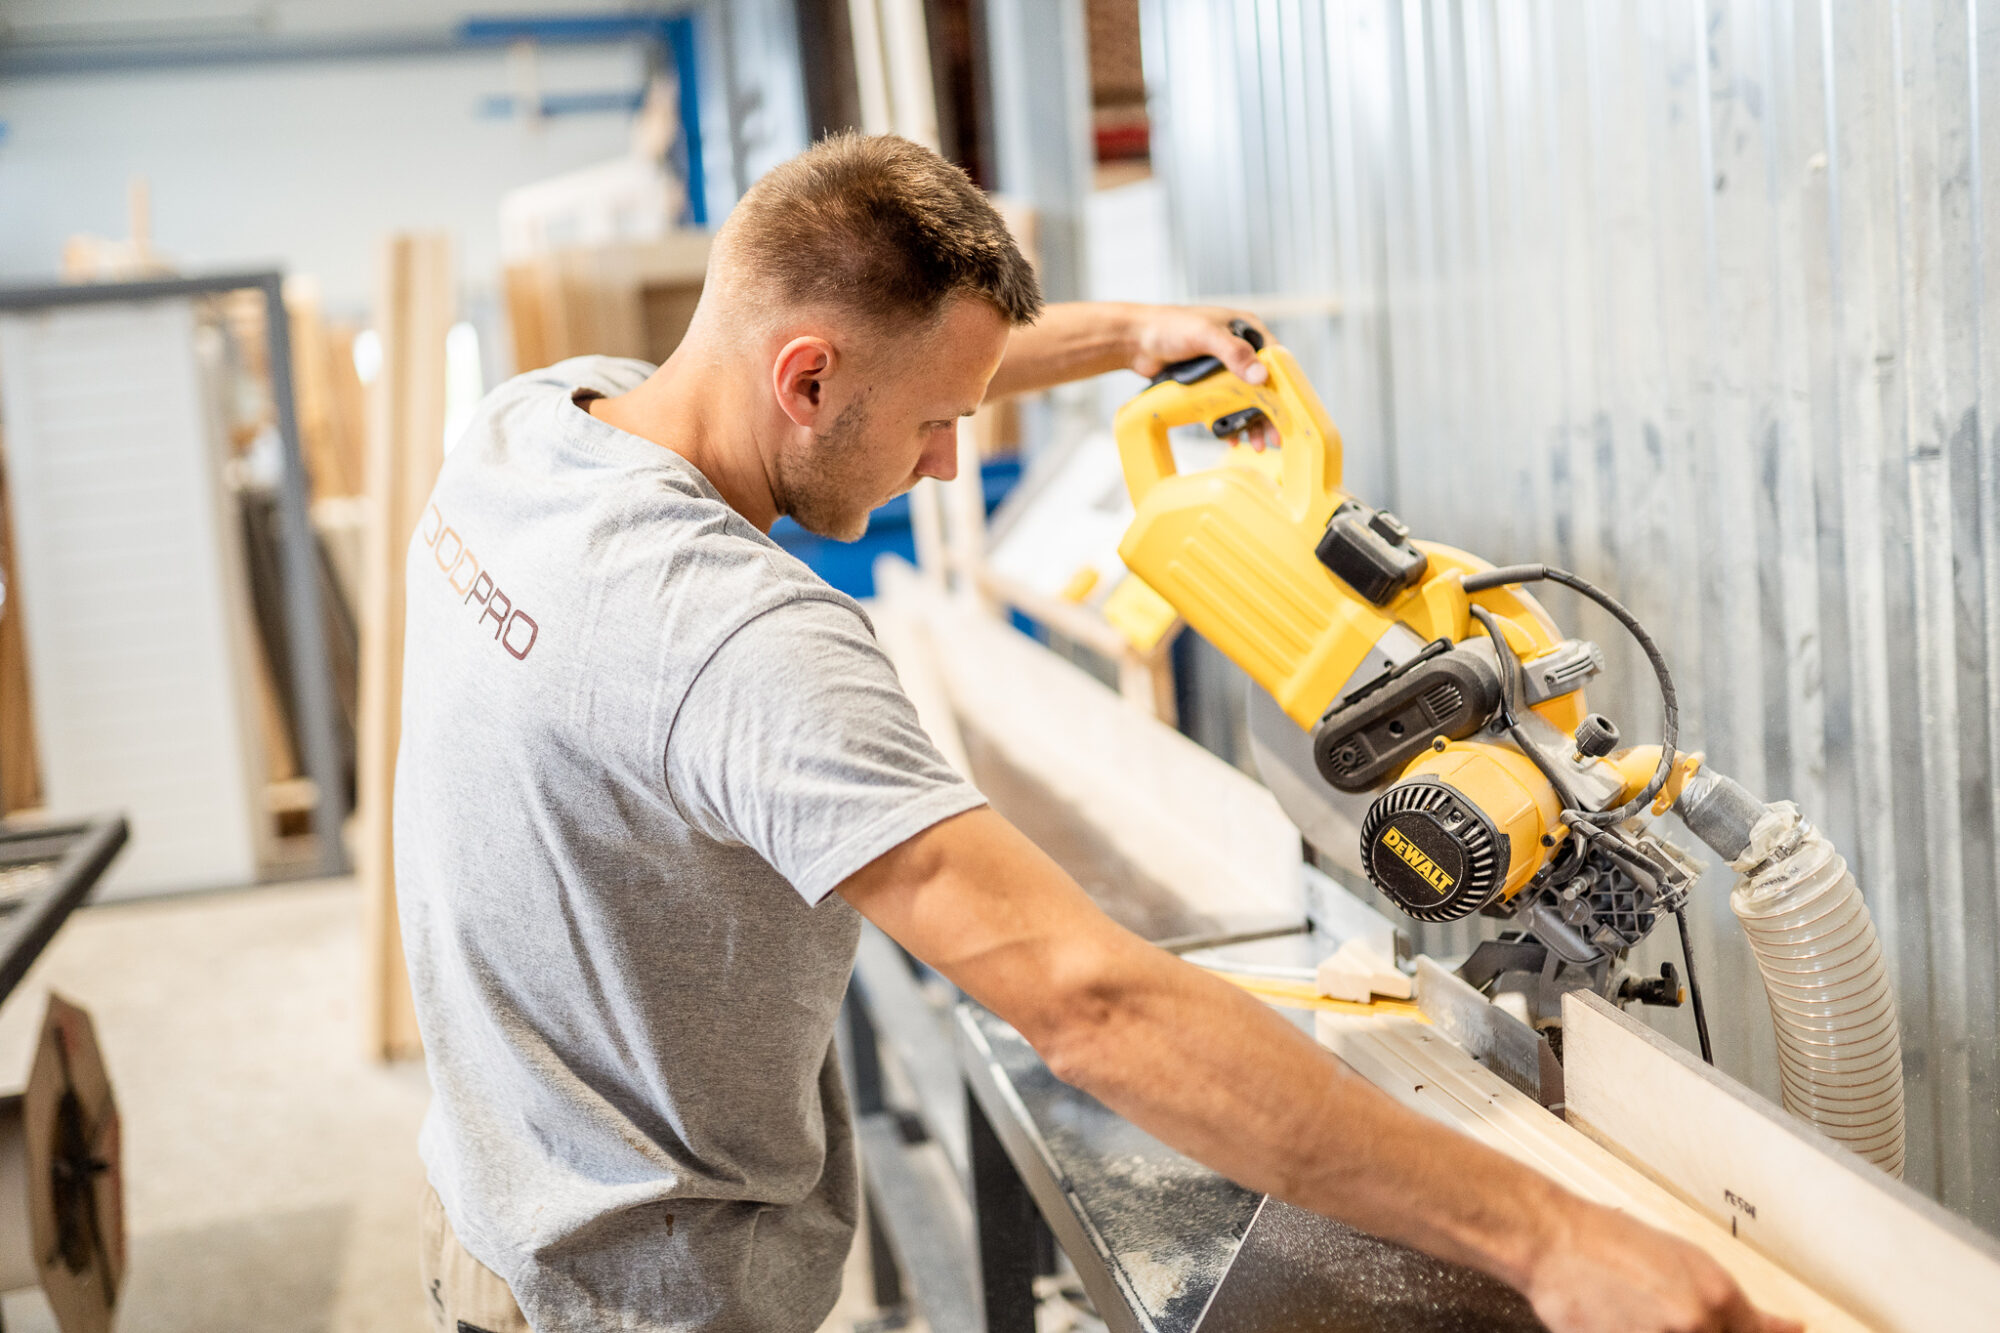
point(1415, 711)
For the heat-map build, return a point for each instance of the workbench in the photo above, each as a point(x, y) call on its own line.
point(1163, 1244)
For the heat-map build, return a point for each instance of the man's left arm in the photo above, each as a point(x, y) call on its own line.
point(1076, 340)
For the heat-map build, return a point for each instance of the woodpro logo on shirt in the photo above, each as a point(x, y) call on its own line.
point(514, 629)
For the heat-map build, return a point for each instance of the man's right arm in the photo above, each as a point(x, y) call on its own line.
point(1204, 1067)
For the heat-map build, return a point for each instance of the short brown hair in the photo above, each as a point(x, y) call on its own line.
point(880, 226)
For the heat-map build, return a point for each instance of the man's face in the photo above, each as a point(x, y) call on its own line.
point(895, 418)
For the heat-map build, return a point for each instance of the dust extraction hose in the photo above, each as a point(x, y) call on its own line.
point(1840, 1052)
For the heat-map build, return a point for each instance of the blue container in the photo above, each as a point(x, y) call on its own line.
point(850, 566)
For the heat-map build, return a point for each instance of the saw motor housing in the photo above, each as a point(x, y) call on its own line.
point(1369, 643)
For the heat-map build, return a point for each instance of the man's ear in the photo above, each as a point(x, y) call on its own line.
point(798, 375)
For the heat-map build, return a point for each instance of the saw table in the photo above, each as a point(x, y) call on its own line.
point(1165, 1245)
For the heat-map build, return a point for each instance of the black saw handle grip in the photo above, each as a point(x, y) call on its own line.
point(1201, 367)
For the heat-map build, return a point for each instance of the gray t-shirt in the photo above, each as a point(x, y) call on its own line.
point(641, 744)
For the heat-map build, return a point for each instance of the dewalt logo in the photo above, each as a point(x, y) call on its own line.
point(1413, 855)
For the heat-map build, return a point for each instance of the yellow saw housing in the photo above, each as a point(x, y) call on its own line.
point(1234, 549)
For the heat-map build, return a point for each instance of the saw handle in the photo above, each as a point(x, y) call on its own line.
point(1201, 390)
point(1201, 367)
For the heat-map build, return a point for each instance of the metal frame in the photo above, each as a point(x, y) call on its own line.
point(312, 680)
point(1211, 1255)
point(82, 850)
point(914, 1155)
point(1012, 1166)
point(1007, 1222)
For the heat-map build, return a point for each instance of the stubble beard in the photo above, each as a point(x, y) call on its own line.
point(821, 484)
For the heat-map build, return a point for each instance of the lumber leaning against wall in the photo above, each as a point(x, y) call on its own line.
point(414, 308)
point(624, 299)
point(20, 765)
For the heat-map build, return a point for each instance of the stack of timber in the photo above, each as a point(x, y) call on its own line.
point(330, 419)
point(332, 404)
point(414, 312)
point(625, 299)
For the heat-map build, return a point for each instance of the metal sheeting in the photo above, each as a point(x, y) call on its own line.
point(1698, 301)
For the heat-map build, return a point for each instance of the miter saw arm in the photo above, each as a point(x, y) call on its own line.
point(1426, 691)
point(1437, 724)
point(1422, 719)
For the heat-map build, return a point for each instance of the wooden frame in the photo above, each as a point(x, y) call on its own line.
point(414, 311)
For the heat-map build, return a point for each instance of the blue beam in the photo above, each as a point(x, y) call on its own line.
point(680, 37)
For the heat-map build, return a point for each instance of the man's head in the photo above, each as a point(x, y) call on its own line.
point(873, 285)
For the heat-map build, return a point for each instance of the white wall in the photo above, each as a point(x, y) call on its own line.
point(303, 164)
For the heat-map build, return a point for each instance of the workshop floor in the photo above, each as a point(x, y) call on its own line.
point(271, 1170)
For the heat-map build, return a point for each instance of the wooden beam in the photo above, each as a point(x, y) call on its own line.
point(20, 759)
point(903, 636)
point(1145, 680)
point(631, 298)
point(1170, 808)
point(1864, 1238)
point(414, 311)
point(1422, 1069)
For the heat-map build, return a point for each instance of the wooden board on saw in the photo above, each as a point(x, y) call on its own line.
point(405, 449)
point(1869, 1241)
point(1422, 1069)
point(1171, 809)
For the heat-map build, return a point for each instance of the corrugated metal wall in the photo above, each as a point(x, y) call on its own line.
point(1699, 301)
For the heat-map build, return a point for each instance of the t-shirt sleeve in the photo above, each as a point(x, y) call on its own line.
point(796, 740)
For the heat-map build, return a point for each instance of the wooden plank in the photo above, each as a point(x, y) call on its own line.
point(904, 638)
point(414, 311)
point(1424, 1071)
point(332, 436)
point(1874, 1244)
point(526, 290)
point(626, 299)
point(20, 761)
point(1145, 680)
point(1171, 809)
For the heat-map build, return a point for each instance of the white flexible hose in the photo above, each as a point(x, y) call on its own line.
point(1840, 1053)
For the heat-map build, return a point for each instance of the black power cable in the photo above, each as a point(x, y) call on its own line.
point(1694, 987)
point(1510, 667)
point(1669, 700)
point(1510, 670)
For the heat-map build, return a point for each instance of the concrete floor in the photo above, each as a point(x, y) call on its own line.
point(271, 1170)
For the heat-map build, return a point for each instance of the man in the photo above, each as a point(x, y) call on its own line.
point(654, 773)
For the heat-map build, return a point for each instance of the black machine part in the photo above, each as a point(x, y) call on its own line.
point(1371, 734)
point(1370, 551)
point(1670, 708)
point(1197, 368)
point(1433, 851)
point(1596, 736)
